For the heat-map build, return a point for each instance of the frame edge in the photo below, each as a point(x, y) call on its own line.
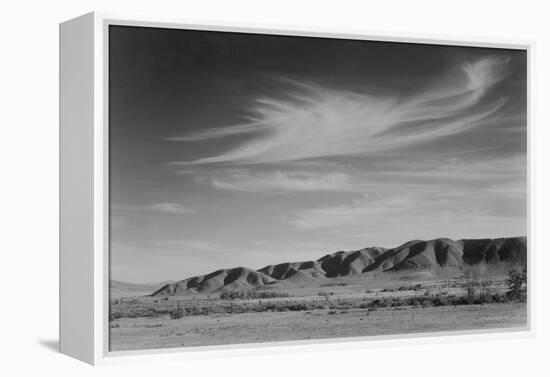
point(76, 188)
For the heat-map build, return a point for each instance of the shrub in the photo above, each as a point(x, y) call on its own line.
point(269, 306)
point(380, 303)
point(177, 313)
point(414, 301)
point(461, 300)
point(250, 294)
point(395, 302)
point(267, 294)
point(500, 299)
point(194, 310)
point(471, 282)
point(297, 307)
point(231, 295)
point(484, 295)
point(517, 285)
point(437, 301)
point(334, 285)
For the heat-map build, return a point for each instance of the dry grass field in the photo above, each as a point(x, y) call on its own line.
point(253, 327)
point(337, 310)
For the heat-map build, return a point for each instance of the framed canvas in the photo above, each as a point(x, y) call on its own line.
point(227, 188)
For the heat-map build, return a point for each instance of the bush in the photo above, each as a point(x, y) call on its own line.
point(297, 307)
point(269, 307)
point(438, 301)
point(334, 285)
point(267, 294)
point(194, 310)
point(517, 285)
point(250, 294)
point(380, 303)
point(471, 283)
point(484, 295)
point(177, 313)
point(414, 301)
point(500, 299)
point(415, 287)
point(396, 303)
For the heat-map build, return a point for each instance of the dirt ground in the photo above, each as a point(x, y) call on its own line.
point(218, 329)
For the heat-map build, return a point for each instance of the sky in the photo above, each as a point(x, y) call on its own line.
point(235, 149)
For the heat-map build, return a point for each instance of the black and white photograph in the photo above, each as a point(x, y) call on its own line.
point(275, 188)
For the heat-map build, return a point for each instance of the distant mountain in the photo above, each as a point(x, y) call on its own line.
point(344, 263)
point(413, 256)
point(232, 279)
point(123, 289)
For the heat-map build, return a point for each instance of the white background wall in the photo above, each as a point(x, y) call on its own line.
point(29, 189)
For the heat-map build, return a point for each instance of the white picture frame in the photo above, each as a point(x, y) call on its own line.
point(84, 192)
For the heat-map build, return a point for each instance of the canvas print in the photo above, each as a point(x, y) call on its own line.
point(269, 188)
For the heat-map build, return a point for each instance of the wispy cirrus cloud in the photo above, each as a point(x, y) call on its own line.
point(383, 176)
point(384, 219)
point(412, 195)
point(279, 182)
point(359, 209)
point(310, 121)
point(163, 207)
point(173, 208)
point(190, 245)
point(455, 169)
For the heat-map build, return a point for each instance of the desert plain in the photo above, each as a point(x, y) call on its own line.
point(418, 287)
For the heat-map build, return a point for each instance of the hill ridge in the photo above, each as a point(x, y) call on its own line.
point(412, 256)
